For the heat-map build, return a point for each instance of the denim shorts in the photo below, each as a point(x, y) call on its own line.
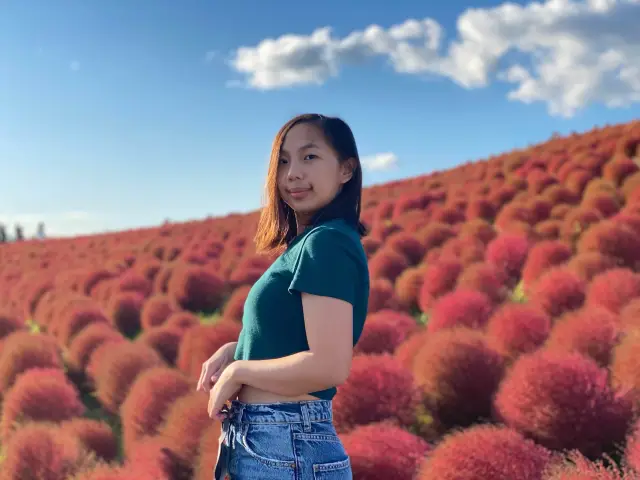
point(281, 441)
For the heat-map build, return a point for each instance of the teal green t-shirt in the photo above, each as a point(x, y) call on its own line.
point(327, 260)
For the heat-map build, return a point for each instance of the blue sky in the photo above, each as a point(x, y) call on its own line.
point(116, 114)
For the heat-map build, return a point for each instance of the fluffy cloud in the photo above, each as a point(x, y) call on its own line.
point(571, 53)
point(380, 161)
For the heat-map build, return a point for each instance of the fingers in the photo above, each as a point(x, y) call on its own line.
point(203, 375)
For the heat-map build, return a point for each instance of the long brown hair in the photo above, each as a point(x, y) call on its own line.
point(277, 225)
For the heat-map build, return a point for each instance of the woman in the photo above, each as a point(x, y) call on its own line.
point(301, 319)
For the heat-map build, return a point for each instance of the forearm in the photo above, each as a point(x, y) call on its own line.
point(293, 375)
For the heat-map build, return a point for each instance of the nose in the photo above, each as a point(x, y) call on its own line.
point(295, 171)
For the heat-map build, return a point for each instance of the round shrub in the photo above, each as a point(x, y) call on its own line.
point(439, 278)
point(382, 296)
point(155, 457)
point(182, 320)
point(22, 351)
point(558, 290)
point(185, 422)
point(9, 324)
point(124, 310)
point(588, 265)
point(478, 230)
point(486, 452)
point(76, 320)
point(234, 306)
point(202, 341)
point(378, 388)
point(434, 234)
point(577, 220)
point(575, 466)
point(458, 372)
point(485, 278)
point(155, 310)
point(208, 452)
point(508, 252)
point(630, 315)
point(150, 397)
point(407, 350)
point(118, 369)
point(467, 250)
point(563, 401)
point(43, 452)
point(613, 289)
point(407, 245)
point(542, 256)
point(407, 287)
point(85, 342)
point(42, 395)
point(615, 240)
point(384, 331)
point(382, 450)
point(468, 308)
point(132, 281)
point(625, 365)
point(632, 451)
point(593, 332)
point(387, 263)
point(197, 289)
point(517, 328)
point(95, 435)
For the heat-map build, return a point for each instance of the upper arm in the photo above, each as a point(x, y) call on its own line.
point(327, 276)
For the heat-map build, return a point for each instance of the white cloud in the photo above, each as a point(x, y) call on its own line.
point(56, 224)
point(578, 52)
point(380, 161)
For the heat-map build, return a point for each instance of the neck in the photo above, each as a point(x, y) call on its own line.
point(302, 222)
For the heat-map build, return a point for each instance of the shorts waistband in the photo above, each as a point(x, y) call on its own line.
point(282, 412)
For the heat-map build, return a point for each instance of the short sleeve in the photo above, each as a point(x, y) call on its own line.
point(327, 266)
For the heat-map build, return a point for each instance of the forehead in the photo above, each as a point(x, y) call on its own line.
point(303, 135)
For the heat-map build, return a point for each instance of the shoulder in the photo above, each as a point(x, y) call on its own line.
point(335, 235)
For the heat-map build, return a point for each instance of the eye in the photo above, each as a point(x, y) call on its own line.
point(310, 156)
point(283, 161)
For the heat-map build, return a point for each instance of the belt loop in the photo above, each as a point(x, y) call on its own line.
point(306, 419)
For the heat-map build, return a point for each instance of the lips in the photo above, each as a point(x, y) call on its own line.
point(298, 190)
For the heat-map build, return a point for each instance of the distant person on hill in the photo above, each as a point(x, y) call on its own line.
point(3, 233)
point(40, 231)
point(273, 388)
point(19, 232)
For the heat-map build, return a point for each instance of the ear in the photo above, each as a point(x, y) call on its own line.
point(347, 169)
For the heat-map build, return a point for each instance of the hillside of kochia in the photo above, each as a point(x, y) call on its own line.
point(503, 338)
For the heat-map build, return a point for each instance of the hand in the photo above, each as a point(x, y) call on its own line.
point(226, 388)
point(215, 365)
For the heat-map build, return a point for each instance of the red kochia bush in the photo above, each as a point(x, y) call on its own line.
point(185, 422)
point(588, 265)
point(459, 373)
point(508, 251)
point(614, 239)
point(196, 289)
point(118, 369)
point(164, 340)
point(22, 351)
point(90, 338)
point(575, 466)
point(632, 451)
point(384, 331)
point(124, 309)
point(439, 278)
point(613, 289)
point(468, 308)
point(382, 296)
point(625, 365)
point(486, 452)
point(155, 457)
point(78, 319)
point(95, 435)
point(387, 263)
point(563, 401)
point(630, 315)
point(407, 287)
point(591, 331)
point(486, 278)
point(156, 310)
point(378, 388)
point(407, 245)
point(202, 341)
point(39, 451)
point(384, 451)
point(542, 256)
point(39, 394)
point(208, 452)
point(518, 328)
point(234, 307)
point(148, 400)
point(558, 290)
point(8, 324)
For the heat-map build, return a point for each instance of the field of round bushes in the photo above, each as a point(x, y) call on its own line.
point(503, 338)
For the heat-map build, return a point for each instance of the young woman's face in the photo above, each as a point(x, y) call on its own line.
point(309, 173)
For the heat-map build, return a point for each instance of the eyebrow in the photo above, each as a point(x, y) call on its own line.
point(304, 147)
